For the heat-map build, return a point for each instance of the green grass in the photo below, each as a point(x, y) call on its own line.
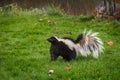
point(24, 50)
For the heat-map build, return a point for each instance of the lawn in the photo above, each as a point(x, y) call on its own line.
point(24, 50)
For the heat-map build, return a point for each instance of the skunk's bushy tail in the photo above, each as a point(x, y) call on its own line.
point(90, 43)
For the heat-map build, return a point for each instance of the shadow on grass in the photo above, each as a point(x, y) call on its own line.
point(77, 59)
point(81, 58)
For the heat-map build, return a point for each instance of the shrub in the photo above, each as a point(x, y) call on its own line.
point(53, 11)
point(85, 18)
point(15, 10)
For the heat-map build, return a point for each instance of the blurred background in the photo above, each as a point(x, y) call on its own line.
point(100, 8)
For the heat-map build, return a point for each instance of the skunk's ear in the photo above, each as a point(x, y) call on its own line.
point(52, 39)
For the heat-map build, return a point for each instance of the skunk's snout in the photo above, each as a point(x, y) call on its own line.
point(48, 40)
point(52, 39)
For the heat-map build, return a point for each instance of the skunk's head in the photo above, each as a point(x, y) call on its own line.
point(52, 40)
point(54, 53)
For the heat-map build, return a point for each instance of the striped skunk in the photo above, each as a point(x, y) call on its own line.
point(68, 48)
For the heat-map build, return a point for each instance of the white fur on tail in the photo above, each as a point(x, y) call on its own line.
point(90, 43)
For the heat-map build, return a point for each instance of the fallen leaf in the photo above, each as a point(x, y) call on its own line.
point(68, 68)
point(41, 20)
point(110, 43)
point(109, 52)
point(51, 22)
point(51, 71)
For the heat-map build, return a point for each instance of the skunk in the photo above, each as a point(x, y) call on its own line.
point(68, 48)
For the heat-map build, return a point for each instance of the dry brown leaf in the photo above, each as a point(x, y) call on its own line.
point(110, 43)
point(109, 52)
point(68, 68)
point(51, 22)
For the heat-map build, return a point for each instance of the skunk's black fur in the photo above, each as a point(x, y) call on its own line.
point(69, 48)
point(58, 48)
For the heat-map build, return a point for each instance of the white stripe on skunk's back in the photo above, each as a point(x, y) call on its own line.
point(90, 43)
point(68, 42)
point(71, 45)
